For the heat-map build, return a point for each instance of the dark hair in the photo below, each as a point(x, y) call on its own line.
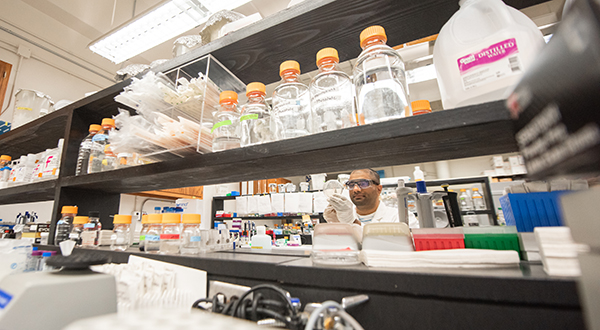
point(374, 175)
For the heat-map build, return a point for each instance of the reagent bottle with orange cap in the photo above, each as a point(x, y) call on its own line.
point(255, 119)
point(226, 129)
point(291, 103)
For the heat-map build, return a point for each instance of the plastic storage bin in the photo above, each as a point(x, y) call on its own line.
point(387, 237)
point(530, 210)
point(492, 238)
point(335, 244)
point(438, 238)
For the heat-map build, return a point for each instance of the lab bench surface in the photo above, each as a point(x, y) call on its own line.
point(520, 297)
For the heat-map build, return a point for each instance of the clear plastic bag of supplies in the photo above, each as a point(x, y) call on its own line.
point(14, 255)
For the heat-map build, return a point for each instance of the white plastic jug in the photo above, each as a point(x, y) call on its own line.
point(482, 51)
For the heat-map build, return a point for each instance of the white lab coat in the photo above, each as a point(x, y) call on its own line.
point(385, 213)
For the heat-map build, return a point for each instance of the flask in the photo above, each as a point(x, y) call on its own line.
point(121, 236)
point(255, 119)
point(466, 204)
point(478, 201)
point(99, 142)
point(152, 239)
point(109, 161)
point(51, 163)
point(91, 230)
point(170, 234)
point(482, 51)
point(77, 231)
point(261, 240)
point(65, 224)
point(379, 78)
point(331, 95)
point(84, 150)
point(291, 103)
point(418, 174)
point(226, 130)
point(420, 107)
point(190, 235)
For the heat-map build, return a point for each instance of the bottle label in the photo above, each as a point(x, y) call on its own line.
point(73, 236)
point(490, 64)
point(248, 117)
point(88, 238)
point(89, 225)
point(99, 137)
point(169, 236)
point(152, 238)
point(219, 124)
point(86, 144)
point(195, 239)
point(142, 238)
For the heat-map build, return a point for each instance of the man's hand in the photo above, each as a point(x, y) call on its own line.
point(343, 207)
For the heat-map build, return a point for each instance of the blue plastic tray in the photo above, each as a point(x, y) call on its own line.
point(527, 211)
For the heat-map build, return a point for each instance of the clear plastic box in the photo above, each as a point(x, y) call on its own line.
point(335, 244)
point(387, 236)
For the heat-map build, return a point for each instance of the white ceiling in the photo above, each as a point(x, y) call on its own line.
point(68, 26)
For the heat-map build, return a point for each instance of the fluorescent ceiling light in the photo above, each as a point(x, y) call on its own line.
point(156, 26)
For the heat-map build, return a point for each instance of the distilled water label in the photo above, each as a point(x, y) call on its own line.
point(490, 64)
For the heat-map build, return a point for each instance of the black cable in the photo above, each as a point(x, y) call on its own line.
point(229, 304)
point(254, 305)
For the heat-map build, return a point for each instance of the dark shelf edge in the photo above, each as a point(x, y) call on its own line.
point(32, 192)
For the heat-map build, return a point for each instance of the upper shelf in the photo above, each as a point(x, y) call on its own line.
point(464, 132)
point(254, 53)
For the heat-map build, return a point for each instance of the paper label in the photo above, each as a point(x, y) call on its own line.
point(490, 64)
point(88, 238)
point(86, 144)
point(219, 124)
point(169, 236)
point(152, 238)
point(195, 239)
point(24, 108)
point(89, 225)
point(248, 117)
point(73, 236)
point(99, 137)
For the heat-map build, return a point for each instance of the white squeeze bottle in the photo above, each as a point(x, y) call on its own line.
point(482, 51)
point(418, 174)
point(51, 163)
point(36, 174)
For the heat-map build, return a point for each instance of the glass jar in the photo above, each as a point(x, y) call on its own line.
point(170, 234)
point(255, 119)
point(65, 224)
point(226, 130)
point(78, 228)
point(152, 238)
point(379, 78)
point(91, 230)
point(190, 234)
point(331, 95)
point(291, 103)
point(121, 236)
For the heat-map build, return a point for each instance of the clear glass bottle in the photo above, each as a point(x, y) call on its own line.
point(255, 119)
point(478, 201)
point(91, 230)
point(380, 80)
point(331, 95)
point(78, 228)
point(121, 236)
point(110, 160)
point(466, 204)
point(152, 239)
point(144, 231)
point(190, 234)
point(5, 160)
point(170, 234)
point(84, 150)
point(291, 103)
point(65, 224)
point(99, 142)
point(227, 131)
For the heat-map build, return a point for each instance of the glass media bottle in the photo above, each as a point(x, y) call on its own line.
point(170, 234)
point(226, 130)
point(291, 103)
point(84, 150)
point(99, 142)
point(255, 119)
point(190, 235)
point(379, 78)
point(152, 238)
point(65, 224)
point(331, 95)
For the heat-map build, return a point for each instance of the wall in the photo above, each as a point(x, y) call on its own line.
point(8, 213)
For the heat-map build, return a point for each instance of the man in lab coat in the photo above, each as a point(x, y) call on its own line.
point(364, 205)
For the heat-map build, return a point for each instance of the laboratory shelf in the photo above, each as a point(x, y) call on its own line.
point(442, 135)
point(520, 297)
point(27, 193)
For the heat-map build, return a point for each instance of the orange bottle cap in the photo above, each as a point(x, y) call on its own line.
point(256, 87)
point(171, 218)
point(145, 219)
point(463, 190)
point(6, 158)
point(289, 65)
point(327, 53)
point(120, 218)
point(94, 128)
point(69, 209)
point(80, 220)
point(108, 122)
point(475, 189)
point(420, 105)
point(374, 31)
point(228, 96)
point(191, 218)
point(154, 218)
